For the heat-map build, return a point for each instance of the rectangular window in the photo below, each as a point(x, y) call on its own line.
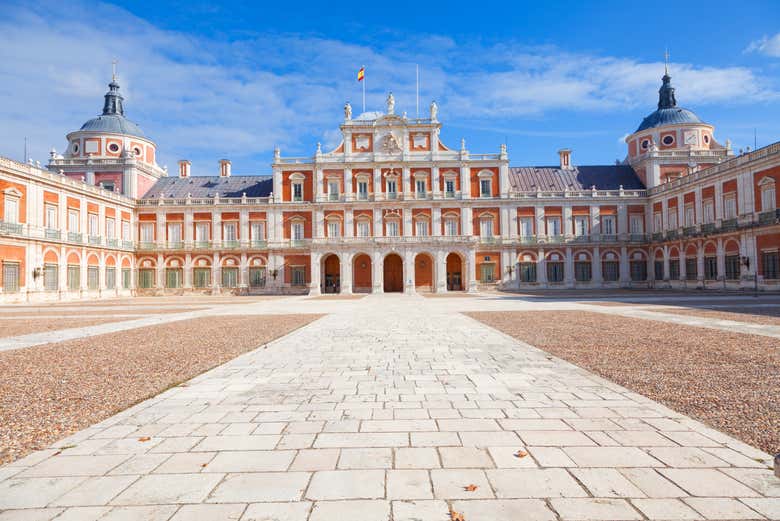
point(173, 278)
point(230, 231)
point(363, 190)
point(610, 270)
point(486, 272)
point(638, 270)
point(485, 188)
point(298, 276)
point(111, 278)
point(419, 187)
point(126, 278)
point(297, 231)
point(11, 213)
point(554, 271)
point(709, 212)
point(257, 230)
point(10, 277)
point(486, 228)
point(729, 206)
point(145, 278)
point(689, 216)
point(93, 277)
point(526, 227)
point(553, 226)
point(658, 268)
point(147, 232)
point(51, 277)
point(392, 188)
point(74, 277)
point(93, 225)
point(582, 271)
point(451, 227)
point(174, 232)
point(527, 272)
point(672, 218)
point(363, 229)
point(333, 190)
point(334, 229)
point(229, 277)
point(51, 217)
point(110, 228)
point(691, 268)
point(608, 225)
point(657, 223)
point(126, 231)
point(768, 200)
point(580, 226)
point(297, 189)
point(392, 228)
point(674, 269)
point(710, 268)
point(449, 188)
point(257, 277)
point(732, 267)
point(422, 228)
point(202, 232)
point(636, 224)
point(770, 265)
point(73, 221)
point(201, 277)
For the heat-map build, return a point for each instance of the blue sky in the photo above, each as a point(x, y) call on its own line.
point(207, 80)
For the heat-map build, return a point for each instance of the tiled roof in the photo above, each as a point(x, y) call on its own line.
point(209, 186)
point(553, 178)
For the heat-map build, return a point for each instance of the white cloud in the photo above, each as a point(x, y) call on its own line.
point(768, 45)
point(204, 99)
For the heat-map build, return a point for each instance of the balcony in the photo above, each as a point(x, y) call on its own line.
point(608, 237)
point(657, 237)
point(127, 245)
point(491, 239)
point(74, 237)
point(362, 196)
point(769, 217)
point(299, 243)
point(449, 195)
point(297, 198)
point(392, 196)
point(690, 231)
point(708, 228)
point(333, 197)
point(145, 245)
point(52, 234)
point(258, 244)
point(729, 225)
point(554, 239)
point(10, 228)
point(581, 238)
point(202, 245)
point(638, 237)
point(420, 195)
point(112, 243)
point(527, 240)
point(94, 239)
point(230, 244)
point(672, 235)
point(174, 245)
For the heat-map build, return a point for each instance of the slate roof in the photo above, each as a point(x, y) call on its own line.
point(553, 178)
point(670, 116)
point(209, 186)
point(114, 123)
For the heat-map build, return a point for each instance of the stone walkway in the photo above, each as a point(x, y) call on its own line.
point(394, 408)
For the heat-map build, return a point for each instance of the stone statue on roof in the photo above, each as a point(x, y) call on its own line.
point(347, 111)
point(434, 110)
point(391, 104)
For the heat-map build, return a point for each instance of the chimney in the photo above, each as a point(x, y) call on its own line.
point(224, 168)
point(184, 168)
point(565, 156)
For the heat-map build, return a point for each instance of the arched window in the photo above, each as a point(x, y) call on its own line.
point(555, 267)
point(638, 267)
point(610, 267)
point(583, 271)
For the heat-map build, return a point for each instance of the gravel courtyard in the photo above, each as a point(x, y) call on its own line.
point(392, 407)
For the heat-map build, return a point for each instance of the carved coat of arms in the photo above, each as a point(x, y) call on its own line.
point(390, 145)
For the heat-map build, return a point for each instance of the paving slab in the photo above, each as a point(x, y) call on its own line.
point(394, 408)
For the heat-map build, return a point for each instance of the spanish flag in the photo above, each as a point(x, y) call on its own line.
point(361, 73)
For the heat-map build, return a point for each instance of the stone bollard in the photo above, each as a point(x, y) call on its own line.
point(777, 465)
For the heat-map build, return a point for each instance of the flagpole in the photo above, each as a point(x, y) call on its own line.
point(417, 71)
point(364, 88)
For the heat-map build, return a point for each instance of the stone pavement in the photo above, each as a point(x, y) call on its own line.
point(394, 408)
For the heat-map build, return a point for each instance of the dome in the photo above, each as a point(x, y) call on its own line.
point(672, 116)
point(113, 118)
point(668, 113)
point(114, 123)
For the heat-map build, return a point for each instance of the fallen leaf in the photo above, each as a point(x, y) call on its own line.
point(521, 454)
point(203, 464)
point(470, 488)
point(456, 516)
point(144, 438)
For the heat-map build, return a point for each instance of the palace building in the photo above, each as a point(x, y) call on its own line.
point(391, 209)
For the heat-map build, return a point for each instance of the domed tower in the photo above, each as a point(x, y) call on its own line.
point(672, 141)
point(110, 151)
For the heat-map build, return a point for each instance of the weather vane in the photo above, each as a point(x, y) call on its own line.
point(666, 61)
point(113, 70)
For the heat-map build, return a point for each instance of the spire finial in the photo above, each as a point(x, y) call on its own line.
point(666, 62)
point(113, 69)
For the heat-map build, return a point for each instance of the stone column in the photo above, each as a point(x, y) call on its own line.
point(349, 194)
point(377, 179)
point(407, 222)
point(465, 182)
point(541, 268)
point(568, 270)
point(595, 220)
point(345, 264)
point(625, 275)
point(568, 222)
point(406, 183)
point(243, 227)
point(316, 275)
point(666, 264)
point(318, 184)
point(377, 274)
point(408, 258)
point(189, 231)
point(349, 222)
point(503, 216)
point(378, 221)
point(435, 182)
point(186, 270)
point(467, 227)
point(436, 222)
point(471, 267)
point(595, 264)
point(539, 216)
point(441, 272)
point(718, 201)
point(721, 259)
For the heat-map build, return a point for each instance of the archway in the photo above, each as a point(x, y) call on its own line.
point(423, 272)
point(393, 271)
point(361, 274)
point(454, 272)
point(331, 274)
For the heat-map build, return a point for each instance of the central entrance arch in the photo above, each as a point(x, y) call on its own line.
point(393, 271)
point(331, 274)
point(423, 272)
point(454, 272)
point(361, 274)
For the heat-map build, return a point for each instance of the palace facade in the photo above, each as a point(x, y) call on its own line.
point(391, 208)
